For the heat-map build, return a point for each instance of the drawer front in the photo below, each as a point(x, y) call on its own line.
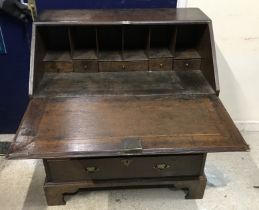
point(85, 66)
point(161, 64)
point(123, 66)
point(120, 167)
point(186, 64)
point(58, 66)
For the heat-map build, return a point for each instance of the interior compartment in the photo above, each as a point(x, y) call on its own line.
point(122, 48)
point(135, 42)
point(162, 41)
point(188, 40)
point(56, 41)
point(83, 42)
point(110, 43)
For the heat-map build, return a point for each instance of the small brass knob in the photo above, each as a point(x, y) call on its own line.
point(187, 64)
point(161, 65)
point(123, 67)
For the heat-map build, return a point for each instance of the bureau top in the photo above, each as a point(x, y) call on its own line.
point(123, 16)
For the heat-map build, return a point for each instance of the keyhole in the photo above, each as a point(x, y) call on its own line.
point(126, 162)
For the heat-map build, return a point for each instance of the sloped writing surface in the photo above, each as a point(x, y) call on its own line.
point(97, 125)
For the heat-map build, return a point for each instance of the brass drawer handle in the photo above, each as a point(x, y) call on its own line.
point(92, 169)
point(161, 166)
point(187, 64)
point(161, 65)
point(123, 66)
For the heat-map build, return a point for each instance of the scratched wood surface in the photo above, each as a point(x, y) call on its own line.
point(130, 83)
point(97, 126)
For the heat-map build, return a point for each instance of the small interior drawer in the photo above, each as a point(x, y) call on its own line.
point(123, 65)
point(58, 66)
point(160, 64)
point(124, 167)
point(85, 66)
point(141, 65)
point(111, 66)
point(186, 64)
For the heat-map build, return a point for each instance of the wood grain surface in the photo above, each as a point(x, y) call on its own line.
point(123, 83)
point(124, 16)
point(97, 126)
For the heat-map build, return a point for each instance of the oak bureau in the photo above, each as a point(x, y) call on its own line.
point(124, 98)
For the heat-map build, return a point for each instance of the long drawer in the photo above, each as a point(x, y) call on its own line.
point(59, 170)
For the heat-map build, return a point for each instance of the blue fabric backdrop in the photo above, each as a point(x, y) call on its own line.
point(106, 4)
point(14, 66)
point(14, 73)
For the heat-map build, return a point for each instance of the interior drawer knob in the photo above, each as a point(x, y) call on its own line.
point(91, 169)
point(85, 67)
point(187, 64)
point(123, 67)
point(161, 65)
point(161, 166)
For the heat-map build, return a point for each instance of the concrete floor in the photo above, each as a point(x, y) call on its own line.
point(233, 184)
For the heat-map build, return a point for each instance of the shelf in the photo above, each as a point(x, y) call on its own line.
point(57, 56)
point(116, 83)
point(187, 53)
point(85, 54)
point(110, 55)
point(131, 55)
point(160, 53)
